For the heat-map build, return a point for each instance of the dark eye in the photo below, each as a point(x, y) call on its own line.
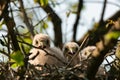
point(66, 49)
point(76, 48)
point(47, 41)
point(36, 42)
point(85, 53)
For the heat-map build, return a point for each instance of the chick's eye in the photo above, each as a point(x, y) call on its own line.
point(76, 48)
point(47, 41)
point(36, 42)
point(66, 49)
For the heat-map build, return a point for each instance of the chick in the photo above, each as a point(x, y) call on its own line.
point(86, 52)
point(69, 50)
point(44, 54)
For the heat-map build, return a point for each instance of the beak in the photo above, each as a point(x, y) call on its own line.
point(71, 52)
point(42, 45)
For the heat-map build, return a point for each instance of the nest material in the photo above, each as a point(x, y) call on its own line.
point(48, 72)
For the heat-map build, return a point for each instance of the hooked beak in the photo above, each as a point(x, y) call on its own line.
point(71, 52)
point(42, 45)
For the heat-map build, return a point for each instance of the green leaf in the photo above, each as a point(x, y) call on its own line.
point(45, 25)
point(36, 1)
point(41, 29)
point(14, 65)
point(1, 23)
point(0, 26)
point(28, 40)
point(18, 58)
point(109, 23)
point(43, 2)
point(113, 35)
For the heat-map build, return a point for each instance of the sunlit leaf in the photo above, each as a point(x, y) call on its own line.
point(41, 29)
point(14, 65)
point(45, 25)
point(36, 1)
point(74, 7)
point(18, 58)
point(1, 23)
point(109, 23)
point(0, 26)
point(48, 18)
point(113, 35)
point(43, 2)
point(28, 40)
point(26, 47)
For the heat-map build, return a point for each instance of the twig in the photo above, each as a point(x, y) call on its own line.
point(6, 54)
point(77, 51)
point(103, 12)
point(42, 19)
point(32, 58)
point(29, 26)
point(80, 5)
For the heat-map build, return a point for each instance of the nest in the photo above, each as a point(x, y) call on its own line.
point(48, 72)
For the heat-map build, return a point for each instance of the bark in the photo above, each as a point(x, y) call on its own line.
point(56, 24)
point(3, 7)
point(80, 5)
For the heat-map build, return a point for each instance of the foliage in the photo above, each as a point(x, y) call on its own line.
point(42, 2)
point(112, 35)
point(17, 59)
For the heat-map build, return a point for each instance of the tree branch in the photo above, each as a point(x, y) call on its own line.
point(57, 25)
point(80, 5)
point(103, 11)
point(29, 26)
point(10, 25)
point(103, 46)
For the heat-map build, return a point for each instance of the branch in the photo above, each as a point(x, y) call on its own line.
point(115, 16)
point(56, 24)
point(3, 7)
point(98, 57)
point(103, 46)
point(29, 26)
point(10, 26)
point(103, 11)
point(81, 46)
point(4, 53)
point(95, 34)
point(80, 5)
